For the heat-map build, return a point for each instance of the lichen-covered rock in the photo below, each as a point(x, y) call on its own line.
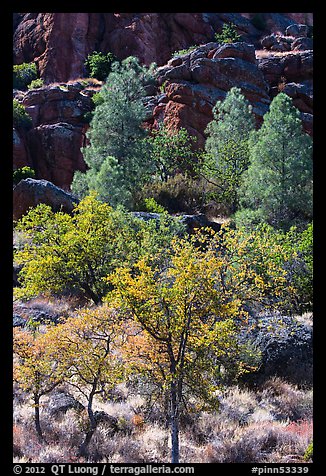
point(286, 347)
point(60, 402)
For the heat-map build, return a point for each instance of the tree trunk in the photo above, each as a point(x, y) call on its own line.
point(37, 419)
point(174, 423)
point(93, 424)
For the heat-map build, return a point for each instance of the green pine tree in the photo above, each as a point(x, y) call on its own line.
point(117, 155)
point(277, 187)
point(227, 150)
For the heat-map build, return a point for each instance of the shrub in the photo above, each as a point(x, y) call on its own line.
point(184, 51)
point(20, 117)
point(228, 34)
point(23, 173)
point(23, 74)
point(36, 83)
point(178, 194)
point(309, 452)
point(98, 65)
point(151, 205)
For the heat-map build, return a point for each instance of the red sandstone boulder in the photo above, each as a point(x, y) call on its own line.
point(52, 146)
point(55, 151)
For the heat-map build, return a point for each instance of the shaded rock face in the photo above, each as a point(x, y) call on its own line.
point(294, 73)
point(30, 192)
point(52, 146)
point(286, 347)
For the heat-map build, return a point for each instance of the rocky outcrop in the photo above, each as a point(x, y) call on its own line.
point(193, 82)
point(190, 84)
point(29, 193)
point(52, 146)
point(292, 73)
point(60, 42)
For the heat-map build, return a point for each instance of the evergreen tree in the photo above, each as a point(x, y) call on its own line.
point(277, 187)
point(116, 155)
point(227, 151)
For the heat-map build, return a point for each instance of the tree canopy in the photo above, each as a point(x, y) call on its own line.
point(277, 187)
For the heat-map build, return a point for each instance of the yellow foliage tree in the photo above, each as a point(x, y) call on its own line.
point(36, 368)
point(187, 314)
point(88, 346)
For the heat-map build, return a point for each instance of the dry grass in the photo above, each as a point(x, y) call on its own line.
point(272, 424)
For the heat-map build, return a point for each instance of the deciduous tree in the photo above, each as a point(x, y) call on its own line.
point(88, 346)
point(189, 311)
point(77, 251)
point(36, 368)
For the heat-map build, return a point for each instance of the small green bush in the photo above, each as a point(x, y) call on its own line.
point(228, 34)
point(36, 83)
point(309, 452)
point(23, 173)
point(150, 205)
point(98, 65)
point(185, 51)
point(20, 116)
point(23, 75)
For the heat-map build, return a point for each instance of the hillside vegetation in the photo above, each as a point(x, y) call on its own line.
point(147, 345)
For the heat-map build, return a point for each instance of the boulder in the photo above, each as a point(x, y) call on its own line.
point(268, 41)
point(297, 30)
point(56, 151)
point(28, 193)
point(36, 314)
point(286, 347)
point(18, 321)
point(302, 44)
point(60, 402)
point(191, 222)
